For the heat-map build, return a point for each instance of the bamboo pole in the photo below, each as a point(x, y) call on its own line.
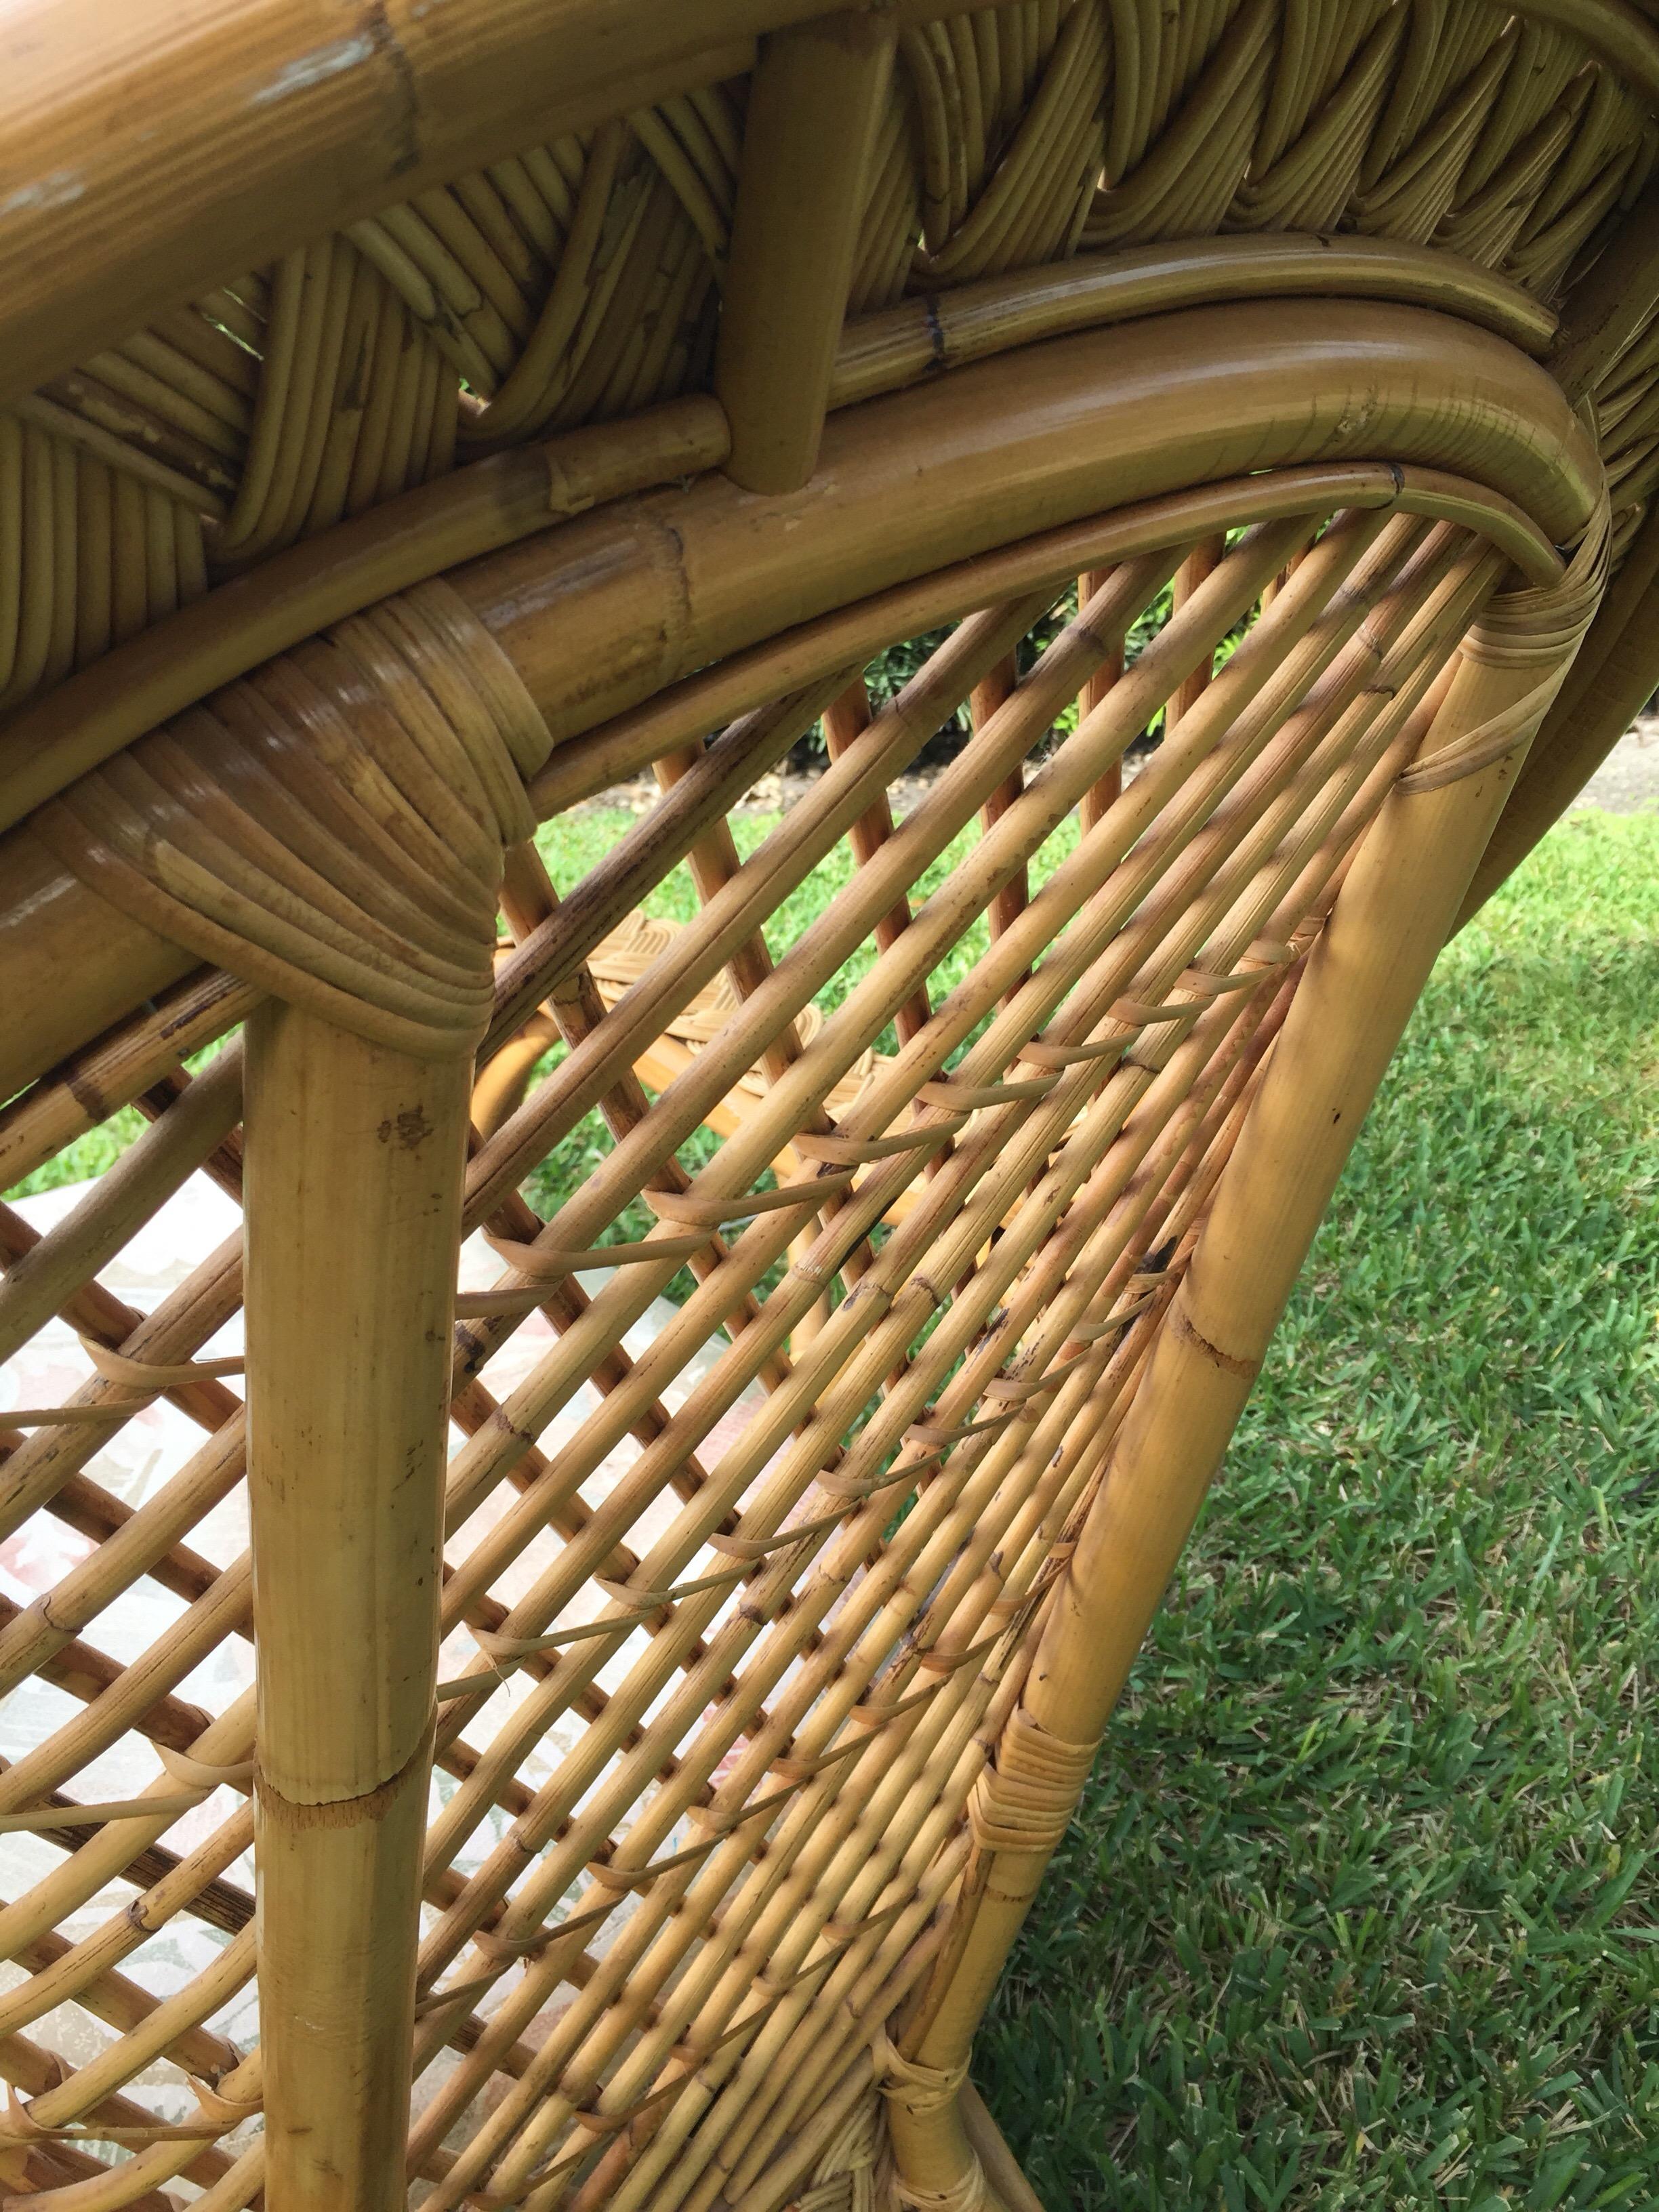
point(845, 720)
point(1008, 2185)
point(1010, 902)
point(354, 1167)
point(632, 740)
point(1363, 979)
point(127, 191)
point(1199, 563)
point(1099, 799)
point(813, 103)
point(675, 580)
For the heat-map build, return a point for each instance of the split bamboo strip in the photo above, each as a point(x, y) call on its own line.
point(845, 720)
point(1097, 801)
point(987, 696)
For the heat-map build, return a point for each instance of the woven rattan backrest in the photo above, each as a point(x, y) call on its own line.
point(749, 1271)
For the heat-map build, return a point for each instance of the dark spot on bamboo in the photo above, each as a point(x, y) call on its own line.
point(88, 1096)
point(408, 1130)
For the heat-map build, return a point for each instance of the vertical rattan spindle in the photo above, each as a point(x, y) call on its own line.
point(812, 109)
point(1102, 796)
point(353, 1177)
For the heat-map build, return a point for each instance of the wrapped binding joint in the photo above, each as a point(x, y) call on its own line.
point(331, 827)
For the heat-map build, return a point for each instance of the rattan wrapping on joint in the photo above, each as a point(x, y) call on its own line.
point(1542, 627)
point(1025, 1799)
point(928, 2089)
point(330, 829)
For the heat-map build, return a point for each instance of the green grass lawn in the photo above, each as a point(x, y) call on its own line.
point(1360, 1906)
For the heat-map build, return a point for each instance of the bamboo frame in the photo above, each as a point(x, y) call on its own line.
point(1389, 923)
point(354, 1170)
point(811, 121)
point(663, 1710)
point(1522, 436)
point(504, 496)
point(1270, 558)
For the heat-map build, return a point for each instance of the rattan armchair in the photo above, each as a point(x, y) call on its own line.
point(577, 1711)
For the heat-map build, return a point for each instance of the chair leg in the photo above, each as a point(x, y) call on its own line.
point(354, 1163)
point(1364, 976)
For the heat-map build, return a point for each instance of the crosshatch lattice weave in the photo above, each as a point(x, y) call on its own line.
point(709, 1703)
point(837, 1183)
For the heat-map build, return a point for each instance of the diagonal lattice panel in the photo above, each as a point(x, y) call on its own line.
point(767, 1444)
